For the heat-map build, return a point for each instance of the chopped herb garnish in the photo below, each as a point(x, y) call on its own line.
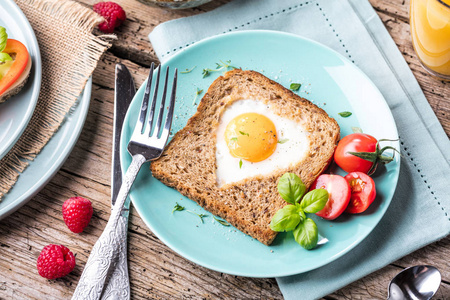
point(295, 86)
point(345, 114)
point(219, 66)
point(244, 133)
point(357, 130)
point(197, 93)
point(222, 222)
point(177, 207)
point(282, 141)
point(240, 163)
point(188, 70)
point(201, 216)
point(234, 139)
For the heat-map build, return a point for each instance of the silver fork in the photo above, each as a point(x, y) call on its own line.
point(147, 143)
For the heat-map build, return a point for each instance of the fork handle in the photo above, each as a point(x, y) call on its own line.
point(110, 244)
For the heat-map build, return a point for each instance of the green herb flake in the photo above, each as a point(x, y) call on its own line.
point(219, 66)
point(188, 70)
point(201, 216)
point(240, 164)
point(197, 93)
point(345, 114)
point(282, 141)
point(222, 222)
point(177, 207)
point(357, 130)
point(244, 133)
point(295, 86)
point(234, 139)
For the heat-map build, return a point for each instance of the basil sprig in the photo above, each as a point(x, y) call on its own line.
point(292, 217)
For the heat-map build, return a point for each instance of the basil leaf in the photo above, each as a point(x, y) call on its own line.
point(307, 234)
point(285, 219)
point(345, 114)
point(291, 188)
point(295, 86)
point(300, 212)
point(314, 201)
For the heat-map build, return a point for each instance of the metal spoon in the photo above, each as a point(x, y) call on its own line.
point(415, 283)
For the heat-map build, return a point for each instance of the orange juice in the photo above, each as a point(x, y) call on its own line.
point(430, 30)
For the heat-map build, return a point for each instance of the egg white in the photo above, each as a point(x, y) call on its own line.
point(292, 151)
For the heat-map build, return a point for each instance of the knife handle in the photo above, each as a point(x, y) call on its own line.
point(111, 243)
point(117, 284)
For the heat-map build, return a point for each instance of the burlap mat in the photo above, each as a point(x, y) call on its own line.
point(70, 53)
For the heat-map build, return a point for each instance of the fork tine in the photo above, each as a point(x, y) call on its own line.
point(169, 117)
point(152, 108)
point(163, 104)
point(144, 107)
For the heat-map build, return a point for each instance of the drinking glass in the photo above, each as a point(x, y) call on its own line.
point(430, 31)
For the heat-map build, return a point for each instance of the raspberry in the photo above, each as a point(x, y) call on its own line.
point(77, 213)
point(55, 261)
point(113, 13)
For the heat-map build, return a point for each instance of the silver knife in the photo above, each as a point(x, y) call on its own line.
point(117, 284)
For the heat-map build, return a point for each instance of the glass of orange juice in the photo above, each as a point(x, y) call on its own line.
point(430, 31)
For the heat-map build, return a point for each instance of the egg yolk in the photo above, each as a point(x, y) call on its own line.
point(251, 136)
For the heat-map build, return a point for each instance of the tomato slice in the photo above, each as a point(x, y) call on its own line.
point(363, 192)
point(17, 67)
point(338, 195)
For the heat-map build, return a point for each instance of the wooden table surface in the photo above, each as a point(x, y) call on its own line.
point(156, 272)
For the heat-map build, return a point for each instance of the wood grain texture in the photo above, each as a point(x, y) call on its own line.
point(156, 272)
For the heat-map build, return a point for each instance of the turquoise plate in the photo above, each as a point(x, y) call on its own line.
point(16, 112)
point(331, 82)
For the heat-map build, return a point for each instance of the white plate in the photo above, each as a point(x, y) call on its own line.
point(16, 112)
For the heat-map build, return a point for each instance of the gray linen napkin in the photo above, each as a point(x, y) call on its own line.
point(419, 212)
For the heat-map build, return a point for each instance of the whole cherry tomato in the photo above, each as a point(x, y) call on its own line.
point(360, 152)
point(356, 142)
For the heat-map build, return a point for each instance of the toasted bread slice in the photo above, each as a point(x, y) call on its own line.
point(189, 162)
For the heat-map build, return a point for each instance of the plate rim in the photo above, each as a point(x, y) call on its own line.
point(37, 80)
point(274, 274)
point(32, 190)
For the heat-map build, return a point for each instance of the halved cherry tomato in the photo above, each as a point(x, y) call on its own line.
point(338, 195)
point(18, 66)
point(363, 192)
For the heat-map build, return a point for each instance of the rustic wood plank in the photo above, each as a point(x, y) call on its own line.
point(157, 272)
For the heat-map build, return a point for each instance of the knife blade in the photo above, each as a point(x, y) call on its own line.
point(123, 94)
point(117, 285)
